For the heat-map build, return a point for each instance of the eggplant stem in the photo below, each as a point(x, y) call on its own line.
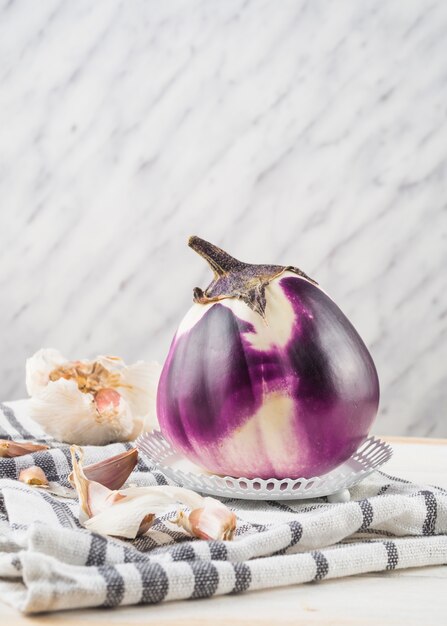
point(220, 261)
point(235, 279)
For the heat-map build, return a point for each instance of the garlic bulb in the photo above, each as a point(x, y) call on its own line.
point(91, 402)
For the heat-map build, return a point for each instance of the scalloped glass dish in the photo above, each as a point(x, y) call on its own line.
point(371, 455)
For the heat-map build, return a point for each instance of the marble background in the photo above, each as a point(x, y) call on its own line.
point(311, 133)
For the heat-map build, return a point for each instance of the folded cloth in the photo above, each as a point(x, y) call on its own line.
point(49, 562)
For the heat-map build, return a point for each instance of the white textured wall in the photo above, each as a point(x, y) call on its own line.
point(306, 133)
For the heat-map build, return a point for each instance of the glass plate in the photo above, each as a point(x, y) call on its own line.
point(371, 455)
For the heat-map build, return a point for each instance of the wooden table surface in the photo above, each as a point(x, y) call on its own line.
point(414, 596)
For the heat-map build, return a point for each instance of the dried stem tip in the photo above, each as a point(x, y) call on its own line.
point(235, 279)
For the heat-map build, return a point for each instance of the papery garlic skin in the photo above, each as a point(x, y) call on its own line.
point(137, 384)
point(130, 512)
point(71, 416)
point(112, 472)
point(125, 513)
point(39, 368)
point(91, 402)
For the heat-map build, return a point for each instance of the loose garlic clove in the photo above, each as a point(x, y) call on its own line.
point(92, 495)
point(10, 449)
point(132, 515)
point(112, 472)
point(130, 512)
point(96, 501)
point(212, 521)
point(33, 476)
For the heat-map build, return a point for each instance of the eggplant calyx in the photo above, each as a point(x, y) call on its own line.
point(235, 279)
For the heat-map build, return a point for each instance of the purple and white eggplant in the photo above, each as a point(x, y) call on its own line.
point(265, 377)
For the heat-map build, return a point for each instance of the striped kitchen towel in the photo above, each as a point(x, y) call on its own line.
point(49, 562)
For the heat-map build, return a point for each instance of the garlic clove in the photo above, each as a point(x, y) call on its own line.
point(10, 449)
point(93, 497)
point(107, 400)
point(39, 368)
point(129, 516)
point(212, 521)
point(96, 501)
point(33, 476)
point(130, 512)
point(112, 472)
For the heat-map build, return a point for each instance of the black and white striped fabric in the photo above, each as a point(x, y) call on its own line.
point(49, 562)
